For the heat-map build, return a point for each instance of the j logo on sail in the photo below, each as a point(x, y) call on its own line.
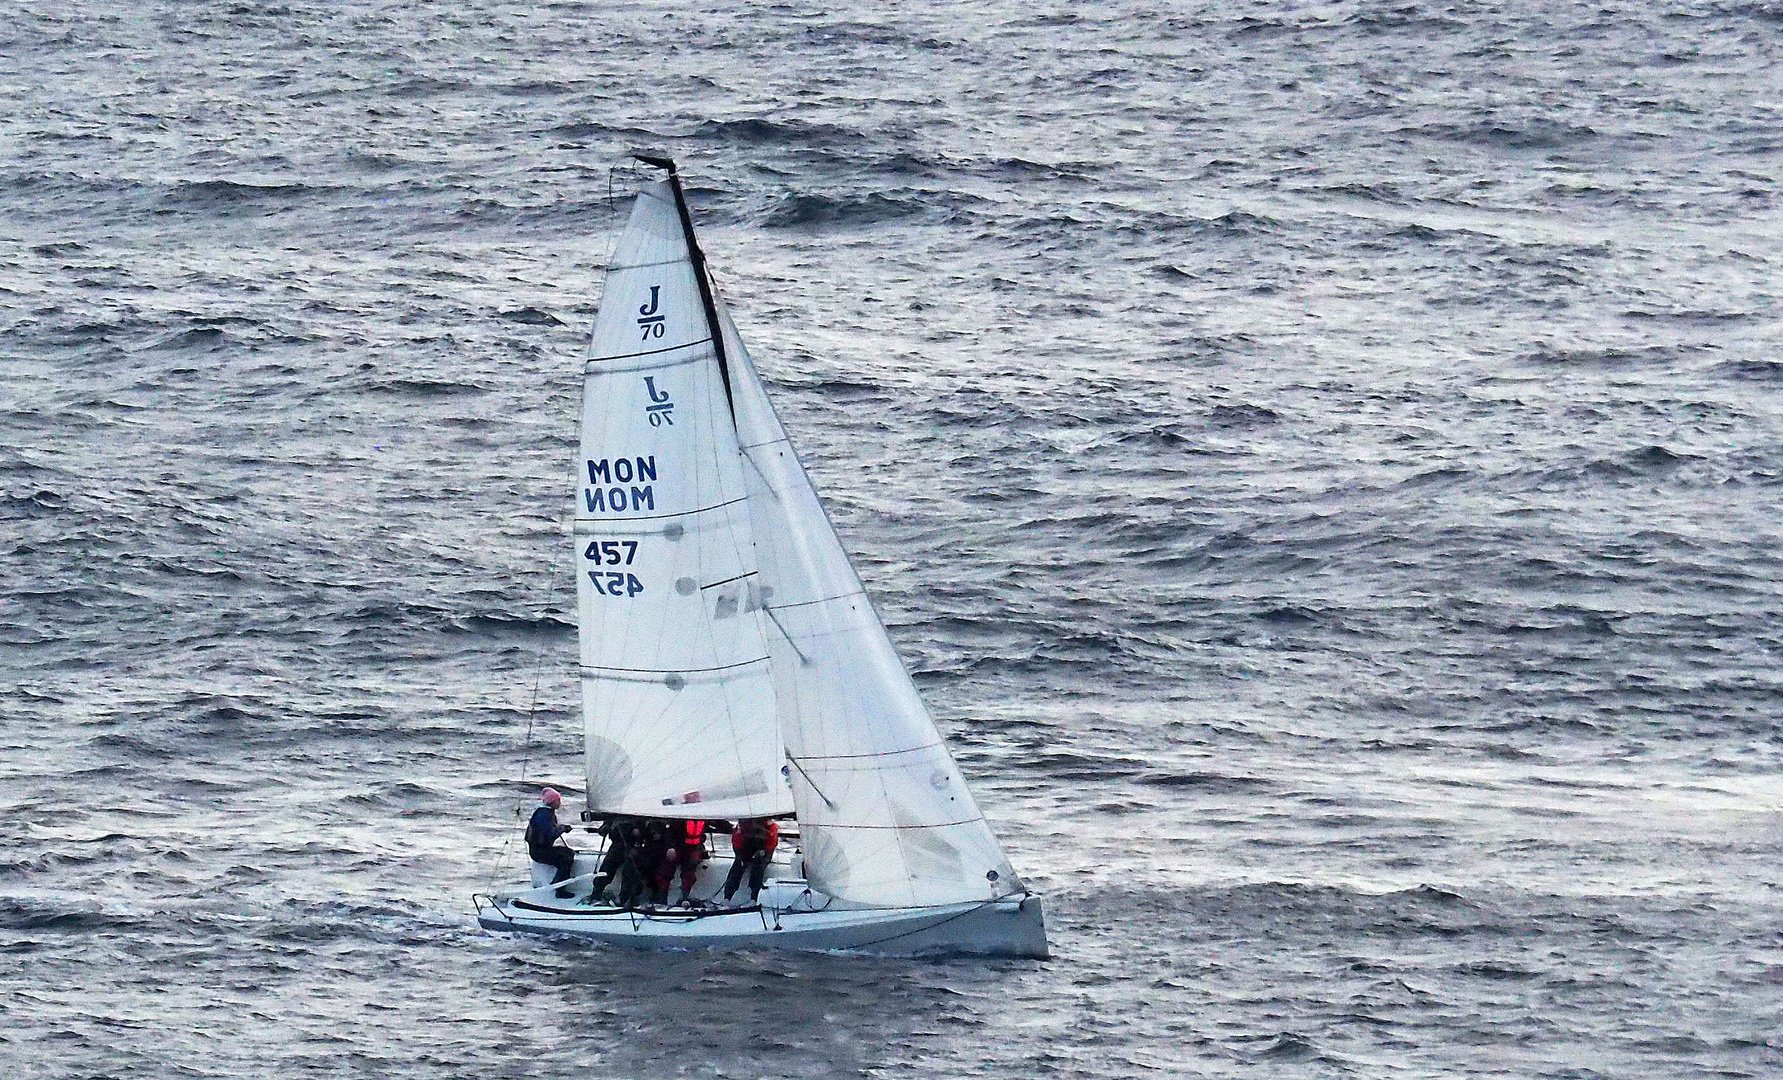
point(651, 323)
point(661, 412)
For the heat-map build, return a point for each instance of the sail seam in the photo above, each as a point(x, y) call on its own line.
point(644, 265)
point(819, 600)
point(660, 517)
point(770, 442)
point(647, 352)
point(937, 825)
point(880, 753)
point(590, 668)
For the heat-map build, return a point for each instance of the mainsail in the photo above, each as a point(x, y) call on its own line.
point(678, 705)
point(727, 643)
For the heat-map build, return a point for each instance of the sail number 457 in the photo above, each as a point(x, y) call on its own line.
point(613, 553)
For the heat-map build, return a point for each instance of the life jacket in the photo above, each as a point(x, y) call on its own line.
point(542, 829)
point(750, 837)
point(696, 833)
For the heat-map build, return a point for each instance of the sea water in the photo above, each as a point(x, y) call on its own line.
point(1320, 461)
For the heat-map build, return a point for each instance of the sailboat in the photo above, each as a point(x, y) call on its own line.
point(732, 665)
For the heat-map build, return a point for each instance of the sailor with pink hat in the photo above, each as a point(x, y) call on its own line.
point(544, 839)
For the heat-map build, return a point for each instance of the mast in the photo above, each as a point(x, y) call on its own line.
point(699, 273)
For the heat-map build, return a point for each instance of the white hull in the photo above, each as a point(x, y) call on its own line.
point(784, 919)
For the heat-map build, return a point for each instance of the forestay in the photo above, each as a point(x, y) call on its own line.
point(678, 705)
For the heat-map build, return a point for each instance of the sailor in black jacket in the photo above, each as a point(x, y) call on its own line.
point(542, 836)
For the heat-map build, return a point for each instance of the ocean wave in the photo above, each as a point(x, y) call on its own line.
point(763, 131)
point(1532, 133)
point(238, 194)
point(817, 211)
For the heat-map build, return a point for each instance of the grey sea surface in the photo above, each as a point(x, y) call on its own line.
point(1321, 462)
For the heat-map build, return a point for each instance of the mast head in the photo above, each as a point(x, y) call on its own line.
point(661, 161)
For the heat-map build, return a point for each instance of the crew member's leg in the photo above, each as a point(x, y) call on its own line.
point(735, 877)
point(561, 859)
point(758, 869)
point(610, 863)
point(665, 873)
point(690, 869)
point(631, 882)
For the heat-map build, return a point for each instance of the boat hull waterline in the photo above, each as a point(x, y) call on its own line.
point(1008, 927)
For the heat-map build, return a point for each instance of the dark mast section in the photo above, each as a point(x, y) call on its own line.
point(667, 164)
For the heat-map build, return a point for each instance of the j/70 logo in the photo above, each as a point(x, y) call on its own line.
point(662, 412)
point(651, 323)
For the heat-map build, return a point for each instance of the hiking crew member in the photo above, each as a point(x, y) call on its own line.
point(619, 832)
point(752, 842)
point(664, 853)
point(694, 853)
point(542, 836)
point(634, 840)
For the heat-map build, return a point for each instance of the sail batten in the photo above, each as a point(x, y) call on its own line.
point(645, 265)
point(595, 668)
point(606, 361)
point(874, 754)
point(819, 600)
point(937, 825)
point(592, 524)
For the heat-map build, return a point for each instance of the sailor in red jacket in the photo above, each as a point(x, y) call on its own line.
point(752, 842)
point(693, 852)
